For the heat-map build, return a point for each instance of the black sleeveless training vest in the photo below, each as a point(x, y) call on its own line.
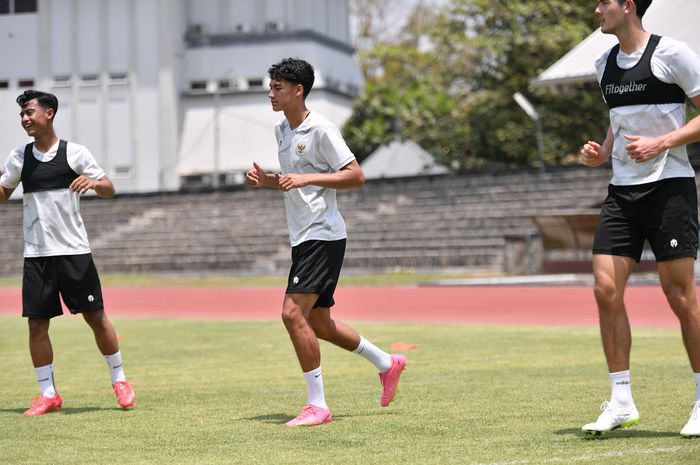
point(637, 85)
point(46, 175)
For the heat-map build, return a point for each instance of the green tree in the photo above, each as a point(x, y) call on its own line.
point(406, 93)
point(454, 96)
point(405, 98)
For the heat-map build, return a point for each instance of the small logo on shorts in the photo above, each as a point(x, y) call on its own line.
point(674, 243)
point(91, 298)
point(295, 280)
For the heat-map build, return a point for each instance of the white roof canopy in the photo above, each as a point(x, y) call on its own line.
point(679, 19)
point(400, 159)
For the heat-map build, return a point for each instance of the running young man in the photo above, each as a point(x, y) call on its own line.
point(652, 194)
point(57, 259)
point(315, 161)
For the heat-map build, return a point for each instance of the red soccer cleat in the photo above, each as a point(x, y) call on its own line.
point(43, 404)
point(125, 394)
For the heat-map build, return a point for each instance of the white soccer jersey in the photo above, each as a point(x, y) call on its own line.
point(52, 222)
point(672, 62)
point(316, 146)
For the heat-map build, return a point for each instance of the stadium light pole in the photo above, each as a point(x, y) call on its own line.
point(529, 108)
point(213, 88)
point(217, 135)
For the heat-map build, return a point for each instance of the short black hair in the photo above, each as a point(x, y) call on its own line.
point(294, 70)
point(44, 99)
point(642, 6)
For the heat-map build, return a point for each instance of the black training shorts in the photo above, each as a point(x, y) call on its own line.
point(665, 213)
point(72, 277)
point(315, 269)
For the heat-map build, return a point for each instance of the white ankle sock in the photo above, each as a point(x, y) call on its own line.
point(697, 387)
point(374, 354)
point(115, 367)
point(45, 377)
point(621, 388)
point(314, 388)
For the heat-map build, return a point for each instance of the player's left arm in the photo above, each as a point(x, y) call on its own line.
point(682, 67)
point(103, 187)
point(90, 175)
point(349, 176)
point(642, 148)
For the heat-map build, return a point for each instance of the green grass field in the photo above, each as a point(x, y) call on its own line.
point(218, 392)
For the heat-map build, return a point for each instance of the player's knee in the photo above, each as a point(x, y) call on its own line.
point(681, 298)
point(606, 294)
point(97, 320)
point(38, 328)
point(291, 315)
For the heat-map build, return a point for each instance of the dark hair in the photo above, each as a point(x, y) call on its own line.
point(642, 6)
point(44, 99)
point(294, 70)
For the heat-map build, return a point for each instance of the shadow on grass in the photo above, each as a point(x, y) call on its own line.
point(65, 410)
point(281, 418)
point(619, 434)
point(75, 410)
point(271, 418)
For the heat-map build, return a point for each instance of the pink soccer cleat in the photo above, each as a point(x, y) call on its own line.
point(43, 404)
point(310, 416)
point(390, 379)
point(125, 394)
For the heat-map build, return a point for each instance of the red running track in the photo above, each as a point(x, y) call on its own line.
point(541, 305)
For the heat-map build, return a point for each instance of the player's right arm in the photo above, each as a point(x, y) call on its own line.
point(11, 174)
point(594, 154)
point(257, 177)
point(5, 193)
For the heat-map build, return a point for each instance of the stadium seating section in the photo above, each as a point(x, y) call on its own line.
point(424, 223)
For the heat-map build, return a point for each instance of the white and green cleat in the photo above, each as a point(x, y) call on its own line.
point(692, 428)
point(614, 416)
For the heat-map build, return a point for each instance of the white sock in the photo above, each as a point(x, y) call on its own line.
point(45, 377)
point(314, 388)
point(697, 387)
point(621, 388)
point(115, 367)
point(374, 354)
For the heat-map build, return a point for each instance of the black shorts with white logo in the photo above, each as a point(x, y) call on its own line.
point(665, 213)
point(315, 269)
point(48, 279)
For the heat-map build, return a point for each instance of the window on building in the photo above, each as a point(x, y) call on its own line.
point(198, 86)
point(61, 81)
point(226, 85)
point(17, 6)
point(122, 171)
point(4, 84)
point(118, 78)
point(255, 83)
point(89, 80)
point(25, 83)
point(25, 6)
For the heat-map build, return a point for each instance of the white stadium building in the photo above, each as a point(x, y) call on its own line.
point(171, 93)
